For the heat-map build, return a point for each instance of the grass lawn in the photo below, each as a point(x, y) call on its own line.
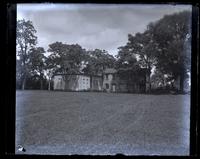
point(51, 122)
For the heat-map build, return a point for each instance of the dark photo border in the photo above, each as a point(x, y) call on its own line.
point(8, 61)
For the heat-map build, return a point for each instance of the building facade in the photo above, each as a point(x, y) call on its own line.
point(113, 81)
point(77, 82)
point(110, 81)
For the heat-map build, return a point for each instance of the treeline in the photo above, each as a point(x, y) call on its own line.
point(164, 46)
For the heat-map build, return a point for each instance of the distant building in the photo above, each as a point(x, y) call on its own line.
point(77, 82)
point(113, 81)
point(110, 81)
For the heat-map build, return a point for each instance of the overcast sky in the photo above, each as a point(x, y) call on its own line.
point(92, 26)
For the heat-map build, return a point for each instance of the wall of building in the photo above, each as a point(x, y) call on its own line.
point(83, 82)
point(96, 83)
point(107, 82)
point(71, 82)
point(110, 82)
point(116, 84)
point(59, 83)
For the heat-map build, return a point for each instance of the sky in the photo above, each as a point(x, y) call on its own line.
point(93, 26)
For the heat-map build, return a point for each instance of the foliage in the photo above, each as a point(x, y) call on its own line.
point(172, 33)
point(67, 58)
point(37, 63)
point(97, 61)
point(164, 45)
point(139, 52)
point(25, 40)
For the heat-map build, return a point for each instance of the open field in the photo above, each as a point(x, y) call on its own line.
point(102, 123)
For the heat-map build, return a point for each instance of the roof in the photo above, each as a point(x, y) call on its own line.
point(110, 71)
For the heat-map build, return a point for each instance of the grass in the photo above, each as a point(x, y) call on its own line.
point(49, 122)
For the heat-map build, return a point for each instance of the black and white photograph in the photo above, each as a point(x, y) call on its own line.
point(103, 79)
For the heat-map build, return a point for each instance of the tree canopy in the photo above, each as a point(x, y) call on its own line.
point(97, 61)
point(165, 46)
point(68, 58)
point(172, 33)
point(25, 40)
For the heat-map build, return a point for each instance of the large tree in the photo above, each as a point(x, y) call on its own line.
point(96, 61)
point(37, 63)
point(140, 50)
point(145, 48)
point(68, 57)
point(51, 67)
point(25, 40)
point(65, 59)
point(128, 67)
point(172, 33)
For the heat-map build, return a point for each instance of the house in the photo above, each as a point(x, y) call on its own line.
point(115, 81)
point(110, 81)
point(77, 82)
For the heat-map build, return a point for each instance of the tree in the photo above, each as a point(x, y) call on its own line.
point(19, 74)
point(65, 59)
point(128, 68)
point(172, 33)
point(96, 61)
point(37, 63)
point(51, 66)
point(68, 57)
point(159, 80)
point(141, 49)
point(25, 40)
point(126, 62)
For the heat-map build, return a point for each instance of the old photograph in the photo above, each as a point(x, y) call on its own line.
point(103, 79)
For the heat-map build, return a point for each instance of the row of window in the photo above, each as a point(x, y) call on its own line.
point(85, 82)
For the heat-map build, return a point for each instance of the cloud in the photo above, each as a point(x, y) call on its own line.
point(92, 26)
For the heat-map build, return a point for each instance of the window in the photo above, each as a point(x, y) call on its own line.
point(107, 86)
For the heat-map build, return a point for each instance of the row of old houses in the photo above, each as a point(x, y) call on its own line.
point(109, 81)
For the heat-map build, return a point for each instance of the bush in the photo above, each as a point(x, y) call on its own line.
point(164, 90)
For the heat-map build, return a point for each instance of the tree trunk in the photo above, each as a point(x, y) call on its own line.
point(24, 83)
point(41, 84)
point(148, 81)
point(181, 83)
point(49, 86)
